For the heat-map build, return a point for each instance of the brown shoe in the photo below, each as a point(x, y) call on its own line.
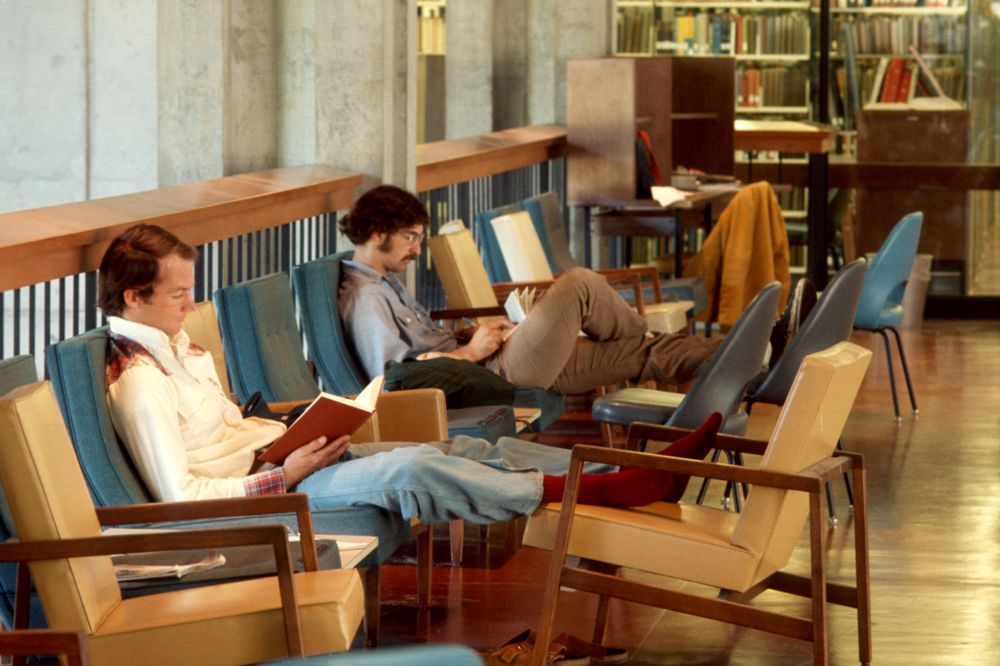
point(518, 651)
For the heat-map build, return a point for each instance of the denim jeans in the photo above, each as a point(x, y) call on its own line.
point(464, 478)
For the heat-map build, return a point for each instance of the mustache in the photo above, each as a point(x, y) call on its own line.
point(412, 255)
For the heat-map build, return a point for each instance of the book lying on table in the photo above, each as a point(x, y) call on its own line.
point(330, 415)
point(153, 566)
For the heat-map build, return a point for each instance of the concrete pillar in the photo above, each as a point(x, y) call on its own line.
point(557, 31)
point(43, 117)
point(121, 97)
point(366, 87)
point(469, 67)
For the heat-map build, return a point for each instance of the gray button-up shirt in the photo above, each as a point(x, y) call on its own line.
point(384, 322)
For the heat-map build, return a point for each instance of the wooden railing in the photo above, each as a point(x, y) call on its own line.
point(245, 226)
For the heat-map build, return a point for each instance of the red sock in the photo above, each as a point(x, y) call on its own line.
point(639, 487)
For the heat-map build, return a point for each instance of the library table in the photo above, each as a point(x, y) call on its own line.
point(646, 217)
point(792, 136)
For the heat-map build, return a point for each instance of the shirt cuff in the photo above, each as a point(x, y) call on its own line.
point(271, 482)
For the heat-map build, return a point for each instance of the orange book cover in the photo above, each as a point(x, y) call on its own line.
point(890, 85)
point(329, 415)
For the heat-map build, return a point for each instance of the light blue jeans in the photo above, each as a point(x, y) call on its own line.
point(465, 478)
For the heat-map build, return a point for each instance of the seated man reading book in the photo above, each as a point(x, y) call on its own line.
point(386, 323)
point(189, 441)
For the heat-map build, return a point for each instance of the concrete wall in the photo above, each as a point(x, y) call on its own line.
point(103, 97)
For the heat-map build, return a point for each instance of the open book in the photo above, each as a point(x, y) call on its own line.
point(157, 566)
point(329, 415)
point(519, 303)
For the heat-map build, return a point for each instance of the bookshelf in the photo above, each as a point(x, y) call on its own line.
point(678, 101)
point(869, 40)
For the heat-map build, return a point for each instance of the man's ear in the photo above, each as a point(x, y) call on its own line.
point(132, 298)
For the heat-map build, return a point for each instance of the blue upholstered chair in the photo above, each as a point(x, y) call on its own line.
point(718, 387)
point(15, 372)
point(77, 369)
point(264, 353)
point(547, 218)
point(881, 305)
point(411, 655)
point(332, 353)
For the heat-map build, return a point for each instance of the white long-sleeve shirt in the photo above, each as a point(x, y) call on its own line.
point(187, 439)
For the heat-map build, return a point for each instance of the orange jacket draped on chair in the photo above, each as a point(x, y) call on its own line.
point(746, 249)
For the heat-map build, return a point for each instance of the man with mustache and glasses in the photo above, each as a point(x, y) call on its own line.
point(385, 322)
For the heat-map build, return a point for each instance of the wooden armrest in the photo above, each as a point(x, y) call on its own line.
point(417, 415)
point(113, 544)
point(808, 480)
point(462, 313)
point(637, 432)
point(286, 405)
point(45, 641)
point(257, 505)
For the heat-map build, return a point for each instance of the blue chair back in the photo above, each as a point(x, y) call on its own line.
point(489, 246)
point(547, 217)
point(829, 322)
point(316, 287)
point(15, 372)
point(261, 339)
point(882, 293)
point(722, 380)
point(76, 369)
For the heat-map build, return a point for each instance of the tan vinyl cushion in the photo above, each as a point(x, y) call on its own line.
point(202, 327)
point(236, 622)
point(417, 415)
point(681, 540)
point(667, 317)
point(521, 248)
point(719, 548)
point(232, 623)
point(807, 431)
point(461, 270)
point(38, 457)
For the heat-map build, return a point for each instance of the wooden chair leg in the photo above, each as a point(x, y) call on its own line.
point(817, 547)
point(425, 561)
point(371, 578)
point(861, 565)
point(456, 535)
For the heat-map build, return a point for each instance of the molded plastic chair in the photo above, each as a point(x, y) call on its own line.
point(236, 622)
point(828, 323)
point(316, 288)
point(881, 305)
point(718, 387)
point(741, 554)
point(76, 367)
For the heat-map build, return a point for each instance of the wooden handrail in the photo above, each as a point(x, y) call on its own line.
point(41, 244)
point(442, 163)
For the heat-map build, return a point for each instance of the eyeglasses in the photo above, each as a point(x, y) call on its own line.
point(412, 237)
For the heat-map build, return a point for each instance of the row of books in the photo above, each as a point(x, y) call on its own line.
point(895, 34)
point(430, 30)
point(634, 26)
point(771, 86)
point(848, 4)
point(732, 33)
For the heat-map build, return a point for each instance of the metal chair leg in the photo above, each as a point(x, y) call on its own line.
point(831, 513)
point(732, 488)
point(848, 484)
point(892, 374)
point(704, 482)
point(906, 370)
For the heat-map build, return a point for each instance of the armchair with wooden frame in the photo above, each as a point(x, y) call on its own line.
point(63, 551)
point(741, 554)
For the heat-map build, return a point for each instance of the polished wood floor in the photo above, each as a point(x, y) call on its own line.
point(934, 484)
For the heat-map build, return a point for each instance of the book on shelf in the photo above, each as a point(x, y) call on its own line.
point(329, 415)
point(891, 81)
point(876, 89)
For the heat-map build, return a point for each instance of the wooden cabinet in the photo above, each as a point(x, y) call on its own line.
point(685, 104)
point(913, 137)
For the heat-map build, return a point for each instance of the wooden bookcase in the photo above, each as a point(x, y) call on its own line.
point(686, 104)
point(914, 137)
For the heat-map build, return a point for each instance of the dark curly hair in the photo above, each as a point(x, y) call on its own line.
point(383, 209)
point(132, 261)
